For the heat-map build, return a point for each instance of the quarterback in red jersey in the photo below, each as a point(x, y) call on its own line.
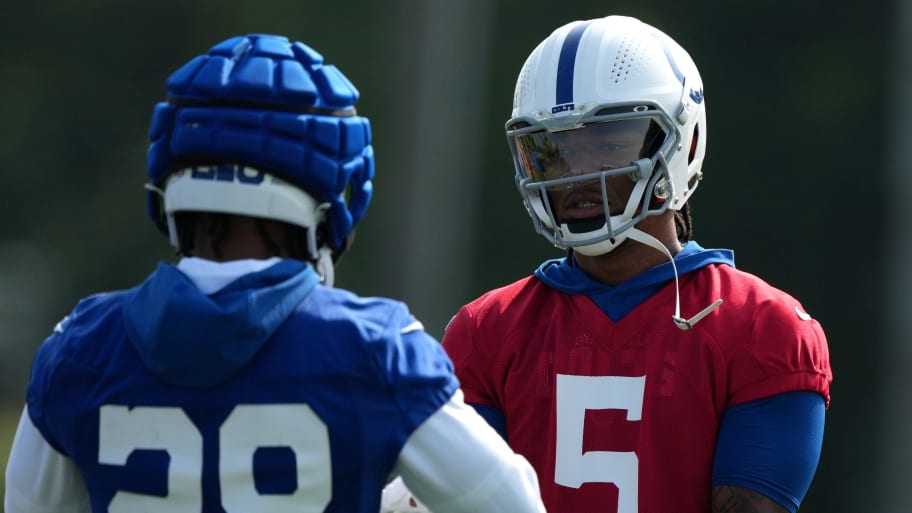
point(641, 373)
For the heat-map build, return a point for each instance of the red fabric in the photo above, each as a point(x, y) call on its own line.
point(510, 346)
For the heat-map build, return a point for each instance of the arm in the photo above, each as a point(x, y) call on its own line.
point(767, 453)
point(493, 417)
point(454, 462)
point(733, 499)
point(39, 479)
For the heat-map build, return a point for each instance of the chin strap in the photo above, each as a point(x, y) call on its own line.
point(169, 218)
point(321, 257)
point(680, 322)
point(324, 266)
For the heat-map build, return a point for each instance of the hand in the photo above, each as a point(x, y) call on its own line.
point(396, 498)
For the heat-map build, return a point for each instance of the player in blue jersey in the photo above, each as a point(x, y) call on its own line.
point(641, 373)
point(239, 380)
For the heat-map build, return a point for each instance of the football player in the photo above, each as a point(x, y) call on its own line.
point(641, 372)
point(239, 380)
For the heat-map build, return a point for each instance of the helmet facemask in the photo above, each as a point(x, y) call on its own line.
point(587, 185)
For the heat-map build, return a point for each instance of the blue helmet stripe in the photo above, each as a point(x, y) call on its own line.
point(567, 62)
point(674, 66)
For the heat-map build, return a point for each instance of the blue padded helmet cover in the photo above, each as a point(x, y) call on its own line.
point(265, 102)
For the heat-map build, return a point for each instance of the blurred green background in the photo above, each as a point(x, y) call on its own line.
point(804, 178)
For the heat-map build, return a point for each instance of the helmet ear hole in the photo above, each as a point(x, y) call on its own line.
point(693, 144)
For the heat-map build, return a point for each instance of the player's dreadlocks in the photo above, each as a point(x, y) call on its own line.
point(218, 225)
point(684, 224)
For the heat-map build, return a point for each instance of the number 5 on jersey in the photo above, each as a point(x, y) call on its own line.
point(573, 467)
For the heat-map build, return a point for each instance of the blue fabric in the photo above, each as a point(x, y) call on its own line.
point(563, 275)
point(229, 106)
point(289, 344)
point(771, 445)
point(494, 418)
point(190, 339)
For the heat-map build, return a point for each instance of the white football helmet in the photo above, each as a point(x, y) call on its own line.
point(629, 86)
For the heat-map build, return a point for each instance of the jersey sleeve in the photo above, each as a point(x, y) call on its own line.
point(474, 368)
point(49, 383)
point(415, 366)
point(786, 351)
point(51, 354)
point(456, 463)
point(38, 478)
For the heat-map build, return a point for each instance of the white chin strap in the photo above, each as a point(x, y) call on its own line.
point(324, 266)
point(680, 322)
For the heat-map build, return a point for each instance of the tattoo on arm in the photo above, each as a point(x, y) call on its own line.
point(733, 499)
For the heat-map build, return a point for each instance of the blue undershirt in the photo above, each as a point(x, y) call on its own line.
point(771, 445)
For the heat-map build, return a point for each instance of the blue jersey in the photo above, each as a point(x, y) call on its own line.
point(273, 394)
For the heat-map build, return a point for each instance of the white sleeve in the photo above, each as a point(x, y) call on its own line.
point(39, 479)
point(455, 463)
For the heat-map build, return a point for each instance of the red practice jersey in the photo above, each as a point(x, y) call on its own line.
point(621, 417)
